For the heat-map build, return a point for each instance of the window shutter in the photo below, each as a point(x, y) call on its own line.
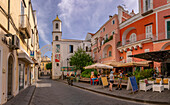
point(168, 29)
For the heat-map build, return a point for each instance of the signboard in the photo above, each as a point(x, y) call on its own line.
point(67, 68)
point(57, 57)
point(132, 84)
point(57, 48)
point(104, 81)
point(31, 53)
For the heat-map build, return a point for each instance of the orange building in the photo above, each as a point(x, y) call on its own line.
point(147, 31)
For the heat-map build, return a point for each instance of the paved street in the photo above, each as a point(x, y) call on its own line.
point(49, 92)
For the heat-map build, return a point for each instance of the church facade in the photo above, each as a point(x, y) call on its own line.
point(63, 49)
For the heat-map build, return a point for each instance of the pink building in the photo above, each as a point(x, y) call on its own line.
point(104, 41)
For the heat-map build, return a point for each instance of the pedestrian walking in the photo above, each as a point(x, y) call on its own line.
point(120, 76)
point(111, 80)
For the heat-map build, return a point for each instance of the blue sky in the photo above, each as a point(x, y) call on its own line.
point(78, 16)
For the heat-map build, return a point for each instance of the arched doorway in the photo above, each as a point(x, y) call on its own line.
point(10, 75)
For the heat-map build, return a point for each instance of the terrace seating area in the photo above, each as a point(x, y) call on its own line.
point(157, 85)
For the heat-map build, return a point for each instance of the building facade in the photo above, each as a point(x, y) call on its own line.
point(44, 61)
point(127, 34)
point(104, 41)
point(146, 31)
point(19, 47)
point(63, 49)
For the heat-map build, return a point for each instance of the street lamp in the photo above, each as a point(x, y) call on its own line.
point(67, 64)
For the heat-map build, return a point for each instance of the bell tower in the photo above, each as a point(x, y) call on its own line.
point(57, 33)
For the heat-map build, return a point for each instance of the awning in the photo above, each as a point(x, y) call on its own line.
point(157, 56)
point(24, 57)
point(98, 66)
point(139, 64)
point(114, 63)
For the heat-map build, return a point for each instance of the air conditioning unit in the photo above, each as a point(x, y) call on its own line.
point(8, 41)
point(15, 42)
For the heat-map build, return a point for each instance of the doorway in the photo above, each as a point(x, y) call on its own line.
point(21, 76)
point(10, 75)
point(168, 69)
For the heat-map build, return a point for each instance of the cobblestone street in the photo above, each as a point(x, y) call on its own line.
point(49, 92)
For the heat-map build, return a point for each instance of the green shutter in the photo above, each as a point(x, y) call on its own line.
point(168, 29)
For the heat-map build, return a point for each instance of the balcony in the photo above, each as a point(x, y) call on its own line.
point(24, 26)
point(107, 40)
point(140, 40)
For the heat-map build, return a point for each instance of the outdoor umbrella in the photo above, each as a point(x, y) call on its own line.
point(114, 63)
point(98, 66)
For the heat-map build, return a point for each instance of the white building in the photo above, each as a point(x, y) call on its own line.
point(63, 49)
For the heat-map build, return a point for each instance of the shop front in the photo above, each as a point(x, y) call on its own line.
point(24, 69)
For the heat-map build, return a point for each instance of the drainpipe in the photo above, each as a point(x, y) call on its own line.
point(8, 14)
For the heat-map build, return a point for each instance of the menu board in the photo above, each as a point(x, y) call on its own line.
point(104, 81)
point(133, 83)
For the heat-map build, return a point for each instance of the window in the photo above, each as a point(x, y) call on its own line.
point(71, 48)
point(22, 13)
point(86, 48)
point(132, 38)
point(113, 33)
point(22, 8)
point(106, 36)
point(128, 59)
point(56, 37)
point(147, 5)
point(71, 64)
point(57, 48)
point(149, 31)
point(56, 25)
point(110, 53)
point(57, 64)
point(146, 50)
point(32, 37)
point(168, 29)
point(103, 29)
point(113, 22)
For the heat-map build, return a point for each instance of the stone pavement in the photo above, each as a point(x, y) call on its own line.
point(141, 96)
point(50, 92)
point(23, 98)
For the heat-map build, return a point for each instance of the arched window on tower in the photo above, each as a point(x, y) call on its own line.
point(56, 25)
point(56, 37)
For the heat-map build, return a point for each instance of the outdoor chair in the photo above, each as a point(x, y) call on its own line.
point(158, 80)
point(93, 80)
point(166, 83)
point(144, 85)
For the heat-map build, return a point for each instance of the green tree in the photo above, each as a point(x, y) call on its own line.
point(80, 59)
point(49, 66)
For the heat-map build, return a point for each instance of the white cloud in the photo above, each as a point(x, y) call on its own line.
point(79, 16)
point(42, 14)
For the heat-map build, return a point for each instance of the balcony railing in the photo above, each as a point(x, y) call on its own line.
point(142, 38)
point(24, 26)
